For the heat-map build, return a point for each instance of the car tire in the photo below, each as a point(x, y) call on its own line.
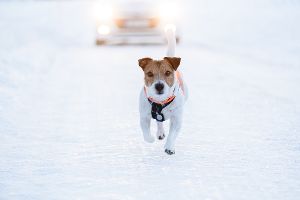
point(100, 42)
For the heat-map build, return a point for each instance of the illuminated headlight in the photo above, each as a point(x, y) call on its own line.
point(103, 30)
point(103, 12)
point(169, 10)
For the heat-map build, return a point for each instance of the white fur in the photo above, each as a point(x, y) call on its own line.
point(173, 111)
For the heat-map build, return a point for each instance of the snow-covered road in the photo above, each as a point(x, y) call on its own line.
point(69, 124)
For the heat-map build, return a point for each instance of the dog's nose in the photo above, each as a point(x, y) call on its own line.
point(159, 87)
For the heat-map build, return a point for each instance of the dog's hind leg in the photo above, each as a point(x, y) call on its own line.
point(160, 131)
point(145, 125)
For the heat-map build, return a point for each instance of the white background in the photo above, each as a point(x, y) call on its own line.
point(69, 124)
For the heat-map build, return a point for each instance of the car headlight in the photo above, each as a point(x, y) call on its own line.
point(103, 30)
point(169, 10)
point(103, 12)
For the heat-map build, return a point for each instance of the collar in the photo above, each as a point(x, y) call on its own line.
point(152, 100)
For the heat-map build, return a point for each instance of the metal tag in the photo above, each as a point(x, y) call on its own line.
point(159, 117)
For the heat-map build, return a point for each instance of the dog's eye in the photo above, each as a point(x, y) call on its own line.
point(149, 74)
point(168, 73)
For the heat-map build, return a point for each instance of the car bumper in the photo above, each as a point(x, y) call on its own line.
point(131, 36)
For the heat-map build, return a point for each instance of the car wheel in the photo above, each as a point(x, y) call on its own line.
point(100, 42)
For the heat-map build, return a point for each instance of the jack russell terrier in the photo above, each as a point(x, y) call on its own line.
point(163, 95)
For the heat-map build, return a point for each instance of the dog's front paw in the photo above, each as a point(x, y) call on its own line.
point(161, 137)
point(160, 134)
point(170, 152)
point(149, 139)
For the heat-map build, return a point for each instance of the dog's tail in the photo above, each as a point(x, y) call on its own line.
point(170, 33)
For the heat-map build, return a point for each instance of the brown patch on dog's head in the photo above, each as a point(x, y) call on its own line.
point(159, 69)
point(143, 62)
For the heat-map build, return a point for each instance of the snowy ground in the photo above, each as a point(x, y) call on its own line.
point(69, 119)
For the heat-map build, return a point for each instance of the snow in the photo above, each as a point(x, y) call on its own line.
point(69, 110)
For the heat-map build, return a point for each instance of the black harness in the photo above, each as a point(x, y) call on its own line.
point(156, 110)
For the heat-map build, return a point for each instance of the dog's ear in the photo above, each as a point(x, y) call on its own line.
point(174, 61)
point(144, 61)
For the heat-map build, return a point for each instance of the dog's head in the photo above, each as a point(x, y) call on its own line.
point(159, 76)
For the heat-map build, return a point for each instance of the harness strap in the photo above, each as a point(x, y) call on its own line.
point(157, 109)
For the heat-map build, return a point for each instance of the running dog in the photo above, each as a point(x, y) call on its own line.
point(163, 95)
